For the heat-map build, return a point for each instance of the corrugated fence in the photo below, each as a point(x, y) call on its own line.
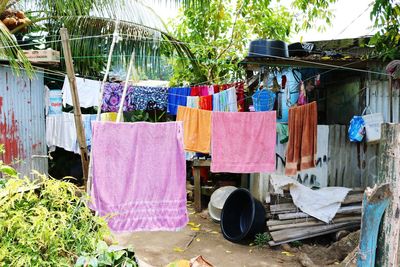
point(22, 121)
point(350, 164)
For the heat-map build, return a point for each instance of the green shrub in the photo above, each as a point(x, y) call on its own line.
point(46, 223)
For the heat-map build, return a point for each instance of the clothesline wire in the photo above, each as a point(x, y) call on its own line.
point(247, 97)
point(259, 54)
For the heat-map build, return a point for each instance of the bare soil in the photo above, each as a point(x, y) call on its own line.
point(161, 248)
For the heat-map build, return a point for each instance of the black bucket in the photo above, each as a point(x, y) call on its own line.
point(242, 216)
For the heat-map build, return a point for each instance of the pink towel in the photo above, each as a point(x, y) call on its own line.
point(243, 142)
point(139, 175)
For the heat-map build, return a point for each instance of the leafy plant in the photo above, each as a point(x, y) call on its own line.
point(218, 34)
point(46, 223)
point(386, 17)
point(108, 256)
point(262, 239)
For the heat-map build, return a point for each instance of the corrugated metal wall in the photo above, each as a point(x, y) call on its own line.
point(379, 99)
point(22, 121)
point(350, 164)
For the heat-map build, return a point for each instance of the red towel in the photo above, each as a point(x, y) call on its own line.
point(206, 103)
point(301, 152)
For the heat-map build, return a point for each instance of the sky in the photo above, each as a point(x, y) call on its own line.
point(351, 20)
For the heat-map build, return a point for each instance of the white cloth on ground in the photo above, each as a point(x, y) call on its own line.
point(322, 204)
point(88, 92)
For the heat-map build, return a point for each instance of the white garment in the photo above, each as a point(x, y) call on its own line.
point(322, 204)
point(232, 99)
point(61, 131)
point(192, 101)
point(88, 92)
point(216, 102)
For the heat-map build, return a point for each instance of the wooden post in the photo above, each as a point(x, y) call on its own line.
point(390, 99)
point(80, 131)
point(389, 172)
point(375, 202)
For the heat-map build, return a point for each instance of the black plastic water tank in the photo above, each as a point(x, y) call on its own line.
point(242, 216)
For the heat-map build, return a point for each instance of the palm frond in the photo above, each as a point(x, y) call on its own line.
point(10, 51)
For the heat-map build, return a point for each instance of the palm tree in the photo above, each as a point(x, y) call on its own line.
point(91, 24)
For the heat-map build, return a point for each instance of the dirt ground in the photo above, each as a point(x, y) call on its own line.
point(161, 248)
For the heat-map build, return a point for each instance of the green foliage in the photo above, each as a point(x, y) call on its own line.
point(45, 224)
point(262, 239)
point(141, 115)
point(107, 256)
point(218, 34)
point(386, 16)
point(296, 244)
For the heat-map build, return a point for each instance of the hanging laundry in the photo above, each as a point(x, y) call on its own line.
point(283, 132)
point(301, 151)
point(243, 142)
point(112, 95)
point(61, 131)
point(177, 97)
point(206, 102)
point(200, 90)
point(216, 102)
point(240, 96)
point(108, 116)
point(232, 100)
point(197, 129)
point(88, 92)
point(149, 98)
point(210, 89)
point(193, 101)
point(126, 183)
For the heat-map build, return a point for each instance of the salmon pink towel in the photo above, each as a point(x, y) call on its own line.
point(139, 175)
point(243, 142)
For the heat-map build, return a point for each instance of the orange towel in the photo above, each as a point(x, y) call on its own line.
point(196, 129)
point(301, 152)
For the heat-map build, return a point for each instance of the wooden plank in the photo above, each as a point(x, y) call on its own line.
point(282, 208)
point(290, 207)
point(274, 243)
point(80, 131)
point(201, 163)
point(282, 235)
point(350, 199)
point(389, 166)
point(312, 223)
point(342, 210)
point(197, 189)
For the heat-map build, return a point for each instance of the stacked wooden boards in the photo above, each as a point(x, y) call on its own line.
point(286, 223)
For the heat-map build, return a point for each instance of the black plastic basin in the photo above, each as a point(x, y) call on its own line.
point(242, 216)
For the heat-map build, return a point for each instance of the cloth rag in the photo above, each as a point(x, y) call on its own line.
point(322, 204)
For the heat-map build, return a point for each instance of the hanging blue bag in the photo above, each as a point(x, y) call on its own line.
point(356, 129)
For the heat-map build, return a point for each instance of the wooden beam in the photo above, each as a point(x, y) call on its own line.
point(389, 172)
point(300, 233)
point(375, 202)
point(80, 131)
point(197, 189)
point(312, 223)
point(201, 163)
point(342, 210)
